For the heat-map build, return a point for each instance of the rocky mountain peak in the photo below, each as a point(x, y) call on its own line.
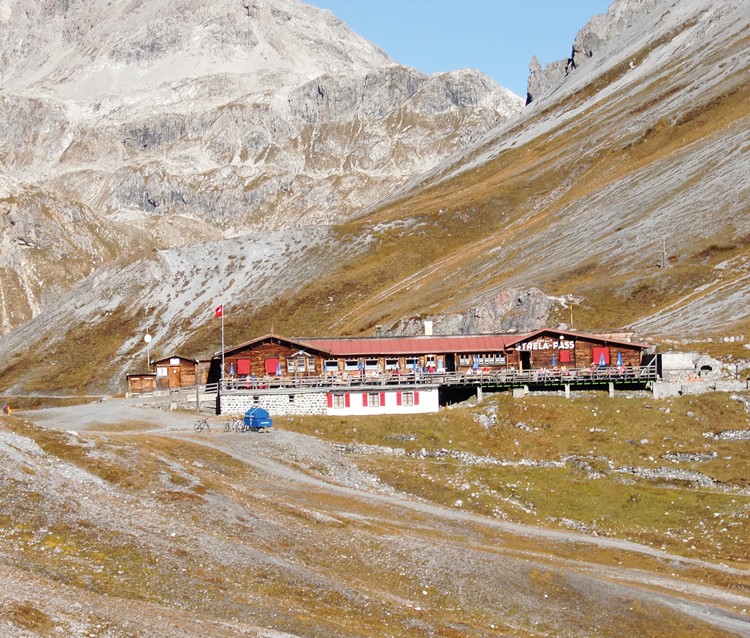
point(624, 17)
point(162, 125)
point(89, 50)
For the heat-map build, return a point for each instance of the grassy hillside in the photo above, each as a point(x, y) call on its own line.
point(572, 210)
point(629, 468)
point(124, 532)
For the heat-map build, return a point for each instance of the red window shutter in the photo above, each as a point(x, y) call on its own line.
point(416, 398)
point(564, 356)
point(398, 398)
point(348, 400)
point(272, 364)
point(243, 366)
point(382, 398)
point(364, 399)
point(330, 400)
point(601, 355)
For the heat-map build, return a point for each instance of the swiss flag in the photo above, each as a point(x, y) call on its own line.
point(219, 311)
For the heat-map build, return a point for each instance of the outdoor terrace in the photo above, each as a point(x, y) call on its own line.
point(499, 379)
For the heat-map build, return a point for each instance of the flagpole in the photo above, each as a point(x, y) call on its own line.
point(222, 343)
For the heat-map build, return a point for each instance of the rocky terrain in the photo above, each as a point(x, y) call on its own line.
point(128, 128)
point(563, 214)
point(119, 520)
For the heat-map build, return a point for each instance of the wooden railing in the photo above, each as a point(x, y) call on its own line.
point(497, 378)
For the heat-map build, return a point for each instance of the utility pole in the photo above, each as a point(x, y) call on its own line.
point(663, 253)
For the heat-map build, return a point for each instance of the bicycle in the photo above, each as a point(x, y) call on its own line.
point(201, 425)
point(233, 425)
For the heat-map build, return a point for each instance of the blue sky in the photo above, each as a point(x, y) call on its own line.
point(496, 36)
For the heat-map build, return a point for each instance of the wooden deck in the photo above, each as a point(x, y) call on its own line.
point(499, 380)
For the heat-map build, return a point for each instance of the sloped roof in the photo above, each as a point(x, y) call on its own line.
point(174, 356)
point(343, 347)
point(384, 346)
point(591, 336)
point(268, 337)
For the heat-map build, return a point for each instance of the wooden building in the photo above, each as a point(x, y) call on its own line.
point(179, 372)
point(274, 356)
point(556, 349)
point(269, 355)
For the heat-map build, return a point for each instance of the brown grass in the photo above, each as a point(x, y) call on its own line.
point(597, 431)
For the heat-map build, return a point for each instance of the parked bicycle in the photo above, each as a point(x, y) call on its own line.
point(201, 425)
point(234, 425)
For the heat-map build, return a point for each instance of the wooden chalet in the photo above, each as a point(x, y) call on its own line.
point(268, 356)
point(179, 372)
point(272, 356)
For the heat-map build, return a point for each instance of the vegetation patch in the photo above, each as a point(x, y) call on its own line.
point(594, 465)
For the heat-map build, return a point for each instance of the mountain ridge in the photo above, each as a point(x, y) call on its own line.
point(245, 141)
point(574, 196)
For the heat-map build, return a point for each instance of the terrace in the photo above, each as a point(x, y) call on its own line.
point(590, 377)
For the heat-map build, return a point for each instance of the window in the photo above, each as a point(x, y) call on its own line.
point(373, 399)
point(338, 401)
point(299, 364)
point(350, 365)
point(391, 364)
point(331, 365)
point(161, 371)
point(464, 360)
point(291, 398)
point(407, 398)
point(411, 363)
point(271, 365)
point(256, 400)
point(371, 365)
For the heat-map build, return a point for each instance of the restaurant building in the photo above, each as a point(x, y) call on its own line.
point(374, 375)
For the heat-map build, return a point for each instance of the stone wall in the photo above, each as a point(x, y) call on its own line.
point(667, 390)
point(276, 404)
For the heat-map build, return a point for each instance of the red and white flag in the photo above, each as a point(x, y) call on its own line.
point(219, 311)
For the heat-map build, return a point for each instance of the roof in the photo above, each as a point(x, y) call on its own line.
point(267, 337)
point(425, 344)
point(591, 336)
point(174, 356)
point(343, 347)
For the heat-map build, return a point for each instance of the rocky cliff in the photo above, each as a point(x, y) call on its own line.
point(624, 17)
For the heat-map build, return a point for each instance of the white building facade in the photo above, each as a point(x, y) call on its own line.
point(345, 402)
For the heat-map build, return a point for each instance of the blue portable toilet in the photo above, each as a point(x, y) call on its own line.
point(257, 419)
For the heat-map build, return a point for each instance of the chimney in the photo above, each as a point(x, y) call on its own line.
point(428, 327)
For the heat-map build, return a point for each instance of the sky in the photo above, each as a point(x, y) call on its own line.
point(496, 36)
